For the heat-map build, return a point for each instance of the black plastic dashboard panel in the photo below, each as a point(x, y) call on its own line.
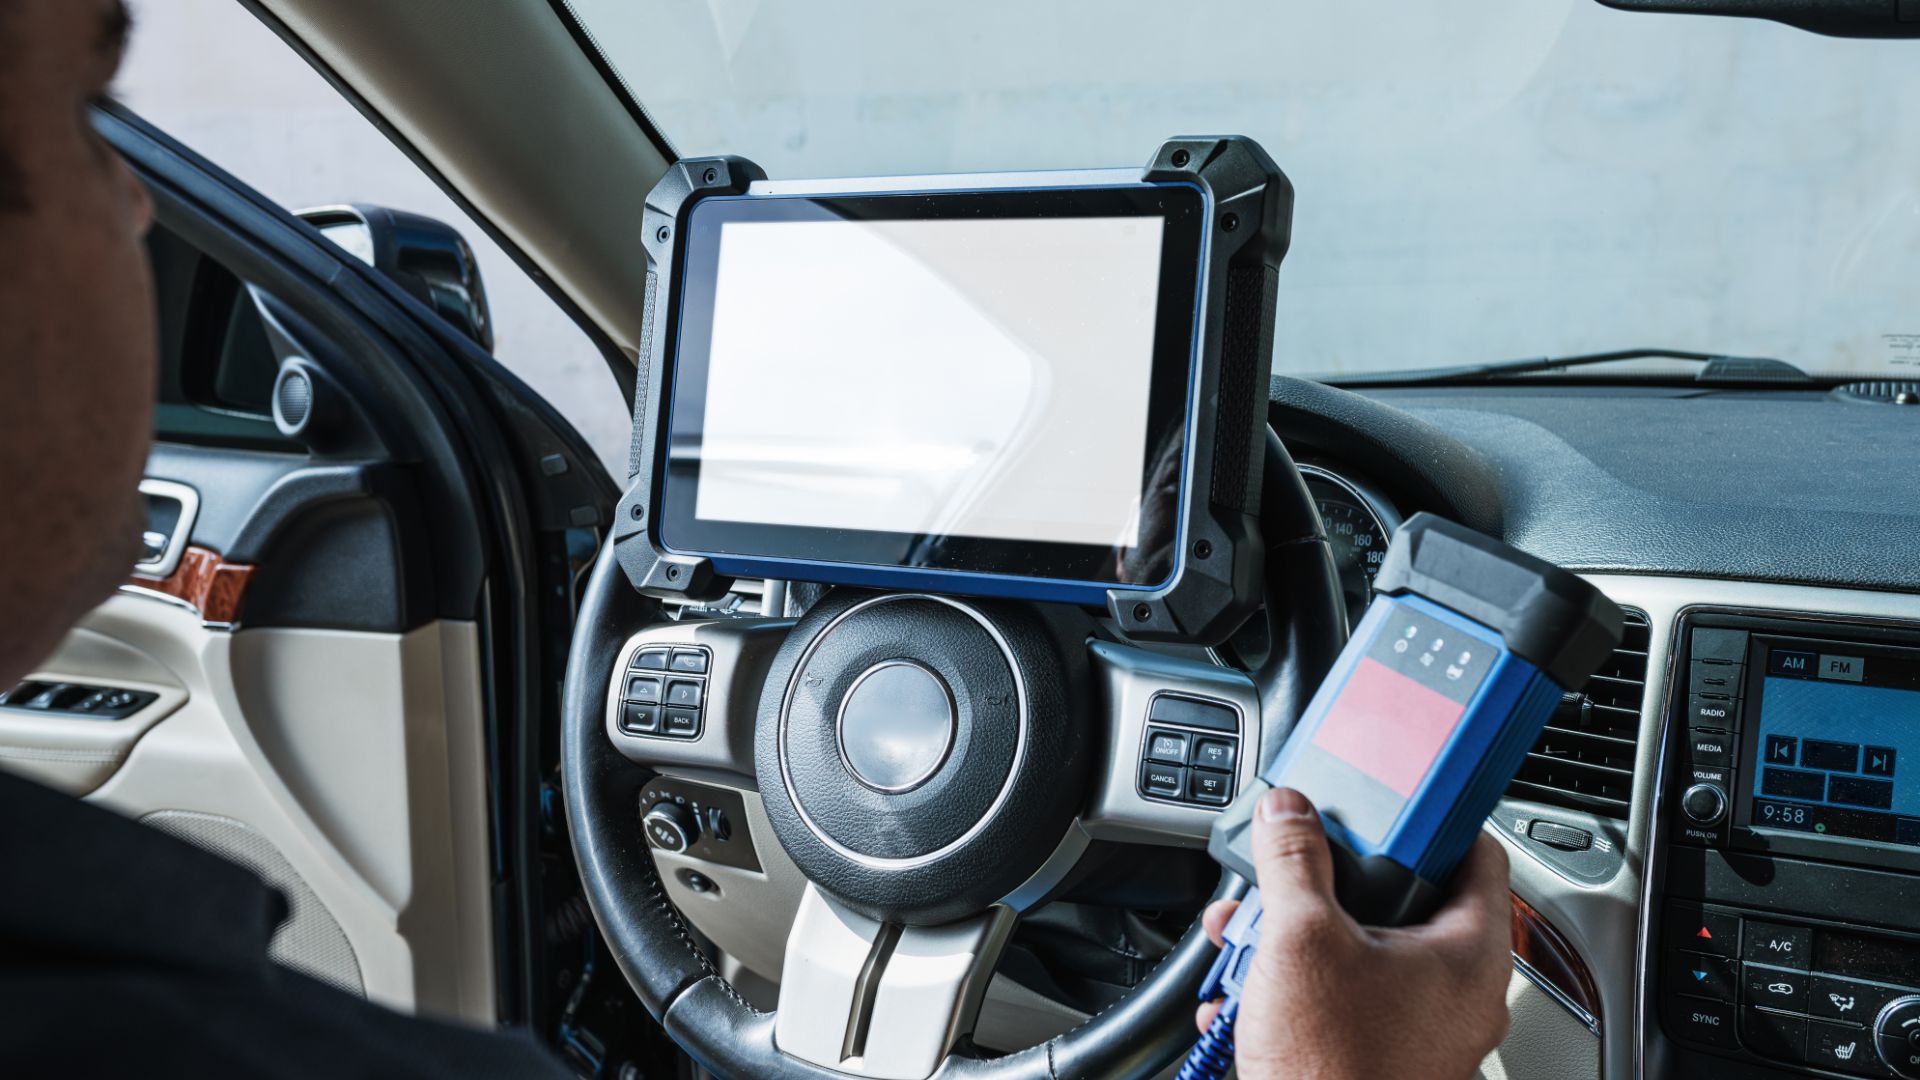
point(1777, 486)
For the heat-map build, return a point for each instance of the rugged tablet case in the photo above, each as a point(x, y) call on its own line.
point(1217, 579)
point(652, 570)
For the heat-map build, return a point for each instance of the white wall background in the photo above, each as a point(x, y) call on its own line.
point(210, 75)
point(1477, 179)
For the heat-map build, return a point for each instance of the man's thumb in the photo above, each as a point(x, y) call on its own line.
point(1290, 851)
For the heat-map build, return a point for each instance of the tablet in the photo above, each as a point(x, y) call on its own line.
point(974, 383)
point(1023, 385)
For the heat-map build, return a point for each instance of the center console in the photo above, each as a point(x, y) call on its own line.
point(1783, 923)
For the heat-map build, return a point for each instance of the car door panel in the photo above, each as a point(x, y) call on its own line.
point(343, 654)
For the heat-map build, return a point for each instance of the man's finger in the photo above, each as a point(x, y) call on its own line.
point(1290, 851)
point(1214, 919)
point(1203, 1016)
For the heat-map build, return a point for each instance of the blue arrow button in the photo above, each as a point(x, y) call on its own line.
point(1699, 976)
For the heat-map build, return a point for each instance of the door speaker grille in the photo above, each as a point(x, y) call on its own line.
point(310, 941)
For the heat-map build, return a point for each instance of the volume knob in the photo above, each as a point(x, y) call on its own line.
point(670, 826)
point(1704, 804)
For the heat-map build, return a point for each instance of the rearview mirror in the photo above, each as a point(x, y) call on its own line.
point(427, 258)
point(1835, 18)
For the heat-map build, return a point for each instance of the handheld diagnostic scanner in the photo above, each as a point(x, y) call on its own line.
point(1429, 711)
point(1427, 714)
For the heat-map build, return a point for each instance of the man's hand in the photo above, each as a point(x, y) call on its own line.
point(1330, 999)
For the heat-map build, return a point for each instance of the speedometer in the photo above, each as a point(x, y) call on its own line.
point(1358, 525)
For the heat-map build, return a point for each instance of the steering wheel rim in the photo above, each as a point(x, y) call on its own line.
point(655, 950)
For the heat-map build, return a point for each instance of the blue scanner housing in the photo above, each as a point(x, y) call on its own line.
point(1429, 711)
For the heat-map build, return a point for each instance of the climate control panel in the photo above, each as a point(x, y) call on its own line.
point(1833, 999)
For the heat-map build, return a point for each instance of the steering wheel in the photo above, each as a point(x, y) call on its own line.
point(934, 766)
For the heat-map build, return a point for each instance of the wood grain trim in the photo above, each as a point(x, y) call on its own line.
point(214, 587)
point(1546, 951)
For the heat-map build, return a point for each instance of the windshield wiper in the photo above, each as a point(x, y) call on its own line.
point(1719, 368)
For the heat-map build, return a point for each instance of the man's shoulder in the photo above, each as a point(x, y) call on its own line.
point(86, 882)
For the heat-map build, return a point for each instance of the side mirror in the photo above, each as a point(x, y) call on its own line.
point(1837, 18)
point(427, 258)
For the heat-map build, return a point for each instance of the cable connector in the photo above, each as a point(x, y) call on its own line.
point(1212, 1056)
point(1228, 976)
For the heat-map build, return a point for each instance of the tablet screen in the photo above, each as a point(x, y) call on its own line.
point(990, 382)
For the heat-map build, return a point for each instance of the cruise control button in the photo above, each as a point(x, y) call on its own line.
point(644, 688)
point(683, 693)
point(1167, 747)
point(1209, 787)
point(1706, 1022)
point(1192, 713)
point(1773, 1034)
point(1782, 946)
point(1714, 932)
point(1776, 989)
point(653, 659)
point(640, 719)
point(1842, 1048)
point(1169, 781)
point(690, 661)
point(681, 722)
point(1692, 974)
point(1215, 754)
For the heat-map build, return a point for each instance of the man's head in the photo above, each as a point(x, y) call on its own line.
point(77, 338)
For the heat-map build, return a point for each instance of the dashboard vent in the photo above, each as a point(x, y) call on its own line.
point(748, 597)
point(1584, 759)
point(1881, 392)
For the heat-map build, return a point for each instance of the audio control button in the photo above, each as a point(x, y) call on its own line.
point(1704, 804)
point(1708, 747)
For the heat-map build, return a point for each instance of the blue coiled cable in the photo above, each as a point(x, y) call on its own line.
point(1212, 1056)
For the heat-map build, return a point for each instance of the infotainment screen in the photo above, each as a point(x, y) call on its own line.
point(992, 382)
point(1837, 750)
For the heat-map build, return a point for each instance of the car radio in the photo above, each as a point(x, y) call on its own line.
point(1784, 915)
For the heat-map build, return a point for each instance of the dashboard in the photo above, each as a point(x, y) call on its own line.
point(1721, 839)
point(1687, 903)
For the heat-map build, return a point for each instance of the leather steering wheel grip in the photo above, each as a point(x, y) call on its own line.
point(1133, 1039)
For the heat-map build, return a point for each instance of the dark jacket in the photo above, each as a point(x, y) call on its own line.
point(125, 952)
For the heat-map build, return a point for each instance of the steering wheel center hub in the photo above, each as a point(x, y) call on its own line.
point(896, 726)
point(917, 754)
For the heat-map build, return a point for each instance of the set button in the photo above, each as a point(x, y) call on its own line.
point(666, 691)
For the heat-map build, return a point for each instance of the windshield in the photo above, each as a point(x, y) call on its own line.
point(1476, 180)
